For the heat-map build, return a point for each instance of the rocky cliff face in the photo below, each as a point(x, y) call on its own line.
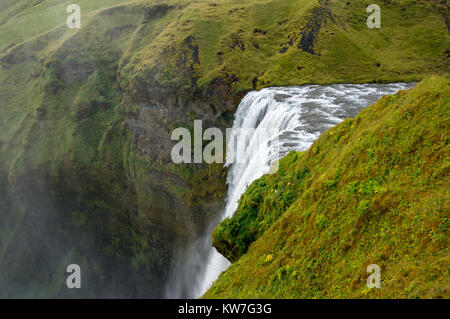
point(108, 197)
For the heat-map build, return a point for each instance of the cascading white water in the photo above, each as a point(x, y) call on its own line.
point(298, 115)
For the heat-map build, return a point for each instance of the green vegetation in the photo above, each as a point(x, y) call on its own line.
point(372, 190)
point(262, 43)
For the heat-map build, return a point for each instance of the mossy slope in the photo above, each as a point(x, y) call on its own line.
point(260, 43)
point(372, 190)
point(75, 185)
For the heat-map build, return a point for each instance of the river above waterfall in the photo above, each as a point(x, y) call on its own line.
point(300, 115)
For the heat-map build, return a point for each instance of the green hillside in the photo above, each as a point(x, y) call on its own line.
point(260, 43)
point(372, 190)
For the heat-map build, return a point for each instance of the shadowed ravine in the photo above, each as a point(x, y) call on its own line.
point(300, 115)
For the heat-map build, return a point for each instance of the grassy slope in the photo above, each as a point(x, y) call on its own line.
point(25, 19)
point(240, 41)
point(38, 32)
point(373, 190)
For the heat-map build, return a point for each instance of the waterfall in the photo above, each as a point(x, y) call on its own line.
point(299, 115)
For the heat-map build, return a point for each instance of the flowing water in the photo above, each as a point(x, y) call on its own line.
point(299, 115)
